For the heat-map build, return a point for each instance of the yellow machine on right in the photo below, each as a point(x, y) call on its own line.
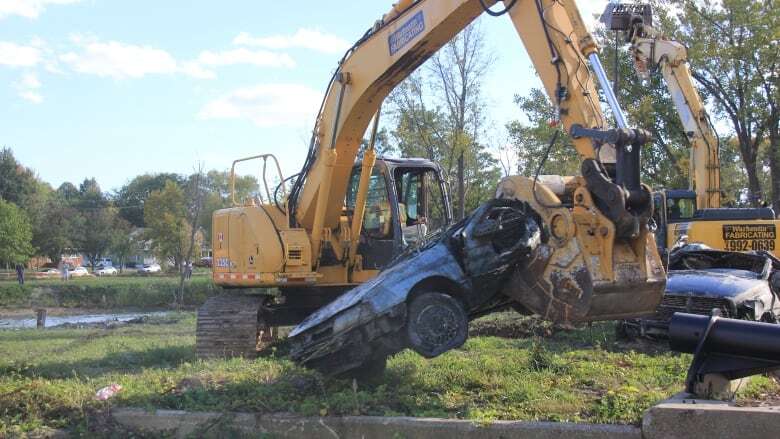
point(695, 212)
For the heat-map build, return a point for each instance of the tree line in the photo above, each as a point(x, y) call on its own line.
point(166, 214)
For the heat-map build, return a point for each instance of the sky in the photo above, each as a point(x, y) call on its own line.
point(112, 89)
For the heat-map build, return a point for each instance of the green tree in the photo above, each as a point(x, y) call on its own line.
point(17, 183)
point(439, 115)
point(165, 214)
point(531, 139)
point(195, 194)
point(96, 218)
point(130, 199)
point(123, 242)
point(97, 233)
point(728, 53)
point(68, 192)
point(56, 227)
point(15, 234)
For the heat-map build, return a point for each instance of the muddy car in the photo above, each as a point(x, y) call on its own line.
point(739, 285)
point(423, 300)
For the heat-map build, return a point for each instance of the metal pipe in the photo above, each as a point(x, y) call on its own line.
point(620, 117)
point(261, 156)
point(727, 336)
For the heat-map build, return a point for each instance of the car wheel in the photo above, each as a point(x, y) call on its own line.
point(436, 323)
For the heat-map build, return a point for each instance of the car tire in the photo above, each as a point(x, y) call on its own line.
point(436, 323)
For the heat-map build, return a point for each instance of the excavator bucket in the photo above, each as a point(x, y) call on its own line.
point(582, 272)
point(560, 288)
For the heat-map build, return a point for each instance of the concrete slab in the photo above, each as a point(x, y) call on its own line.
point(183, 424)
point(682, 417)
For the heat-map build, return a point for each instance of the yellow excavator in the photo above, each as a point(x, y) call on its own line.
point(338, 222)
point(695, 213)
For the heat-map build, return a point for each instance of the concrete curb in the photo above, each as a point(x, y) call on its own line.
point(183, 424)
point(684, 418)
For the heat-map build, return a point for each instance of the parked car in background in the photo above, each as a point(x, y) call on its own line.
point(104, 262)
point(78, 272)
point(149, 269)
point(49, 272)
point(204, 262)
point(106, 271)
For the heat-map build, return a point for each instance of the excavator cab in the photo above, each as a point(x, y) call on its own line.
point(406, 201)
point(671, 207)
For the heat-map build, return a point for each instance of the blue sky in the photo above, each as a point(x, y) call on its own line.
point(111, 89)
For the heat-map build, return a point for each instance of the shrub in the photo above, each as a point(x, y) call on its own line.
point(105, 293)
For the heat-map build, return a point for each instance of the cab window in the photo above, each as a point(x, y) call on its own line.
point(680, 208)
point(377, 219)
point(420, 202)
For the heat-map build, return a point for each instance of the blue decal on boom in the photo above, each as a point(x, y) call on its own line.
point(406, 33)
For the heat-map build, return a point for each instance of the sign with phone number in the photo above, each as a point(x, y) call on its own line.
point(749, 237)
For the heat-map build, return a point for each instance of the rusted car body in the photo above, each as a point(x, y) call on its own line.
point(403, 306)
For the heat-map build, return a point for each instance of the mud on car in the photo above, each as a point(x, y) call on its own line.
point(700, 280)
point(425, 299)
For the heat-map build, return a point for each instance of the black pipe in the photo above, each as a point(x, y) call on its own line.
point(732, 337)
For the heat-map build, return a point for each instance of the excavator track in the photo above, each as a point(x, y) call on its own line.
point(231, 326)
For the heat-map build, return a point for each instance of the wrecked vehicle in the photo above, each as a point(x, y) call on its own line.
point(739, 285)
point(425, 299)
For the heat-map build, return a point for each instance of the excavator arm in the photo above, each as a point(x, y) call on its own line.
point(556, 40)
point(652, 51)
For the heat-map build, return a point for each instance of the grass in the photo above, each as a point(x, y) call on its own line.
point(48, 378)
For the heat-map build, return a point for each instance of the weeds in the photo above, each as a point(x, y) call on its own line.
point(48, 379)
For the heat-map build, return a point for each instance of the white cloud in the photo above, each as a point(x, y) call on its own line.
point(28, 88)
point(121, 61)
point(303, 38)
point(262, 58)
point(32, 96)
point(195, 70)
point(118, 60)
point(28, 8)
point(15, 55)
point(267, 105)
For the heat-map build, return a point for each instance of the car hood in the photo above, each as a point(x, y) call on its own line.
point(390, 287)
point(715, 283)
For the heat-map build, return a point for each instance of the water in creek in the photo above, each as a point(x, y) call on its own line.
point(85, 319)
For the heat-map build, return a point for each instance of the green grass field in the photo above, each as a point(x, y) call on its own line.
point(48, 378)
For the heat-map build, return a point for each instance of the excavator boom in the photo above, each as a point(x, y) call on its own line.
point(404, 39)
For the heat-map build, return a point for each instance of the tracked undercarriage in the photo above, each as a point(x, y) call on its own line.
point(237, 324)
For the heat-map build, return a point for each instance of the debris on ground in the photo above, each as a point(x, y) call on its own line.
point(108, 392)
